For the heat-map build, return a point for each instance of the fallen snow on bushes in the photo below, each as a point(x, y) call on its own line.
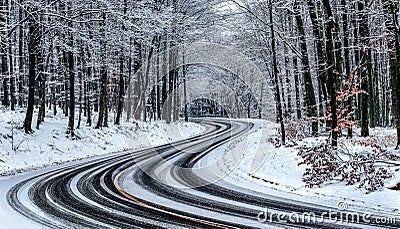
point(276, 171)
point(50, 144)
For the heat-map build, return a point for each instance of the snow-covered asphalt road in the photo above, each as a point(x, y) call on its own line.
point(157, 187)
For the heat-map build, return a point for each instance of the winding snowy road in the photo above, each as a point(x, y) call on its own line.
point(158, 187)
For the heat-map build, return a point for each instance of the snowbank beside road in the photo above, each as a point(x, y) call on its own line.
point(51, 145)
point(276, 172)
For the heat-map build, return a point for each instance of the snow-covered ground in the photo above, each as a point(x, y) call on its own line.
point(276, 171)
point(261, 167)
point(50, 144)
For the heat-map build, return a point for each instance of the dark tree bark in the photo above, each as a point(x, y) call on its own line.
point(3, 74)
point(21, 58)
point(275, 74)
point(158, 97)
point(3, 53)
point(10, 4)
point(71, 71)
point(318, 35)
point(297, 89)
point(288, 84)
point(283, 98)
point(32, 52)
point(310, 100)
point(185, 102)
point(88, 87)
point(41, 84)
point(81, 86)
point(330, 71)
point(71, 76)
point(357, 58)
point(346, 47)
point(391, 9)
point(103, 79)
point(171, 80)
point(129, 102)
point(121, 82)
point(296, 75)
point(185, 111)
point(12, 77)
point(137, 79)
point(164, 95)
point(66, 83)
point(364, 34)
point(103, 75)
point(175, 111)
point(338, 67)
point(121, 92)
point(53, 97)
point(105, 124)
point(55, 88)
point(371, 92)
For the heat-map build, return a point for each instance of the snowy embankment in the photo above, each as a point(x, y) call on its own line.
point(50, 145)
point(276, 171)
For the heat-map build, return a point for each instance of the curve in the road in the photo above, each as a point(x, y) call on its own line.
point(94, 194)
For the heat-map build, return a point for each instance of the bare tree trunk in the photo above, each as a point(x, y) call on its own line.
point(297, 90)
point(330, 71)
point(66, 83)
point(71, 121)
point(12, 77)
point(275, 74)
point(53, 97)
point(121, 92)
point(391, 10)
point(364, 33)
point(32, 51)
point(71, 74)
point(129, 102)
point(346, 47)
point(171, 77)
point(288, 84)
point(21, 58)
point(81, 87)
point(103, 75)
point(185, 90)
point(158, 96)
point(121, 81)
point(3, 74)
point(310, 100)
point(318, 35)
point(3, 51)
point(137, 90)
point(164, 88)
point(175, 93)
point(88, 89)
point(105, 124)
point(42, 89)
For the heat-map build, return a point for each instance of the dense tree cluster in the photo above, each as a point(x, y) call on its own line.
point(83, 55)
point(333, 63)
point(325, 56)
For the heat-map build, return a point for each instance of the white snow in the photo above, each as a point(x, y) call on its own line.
point(262, 169)
point(51, 145)
point(22, 155)
point(279, 175)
